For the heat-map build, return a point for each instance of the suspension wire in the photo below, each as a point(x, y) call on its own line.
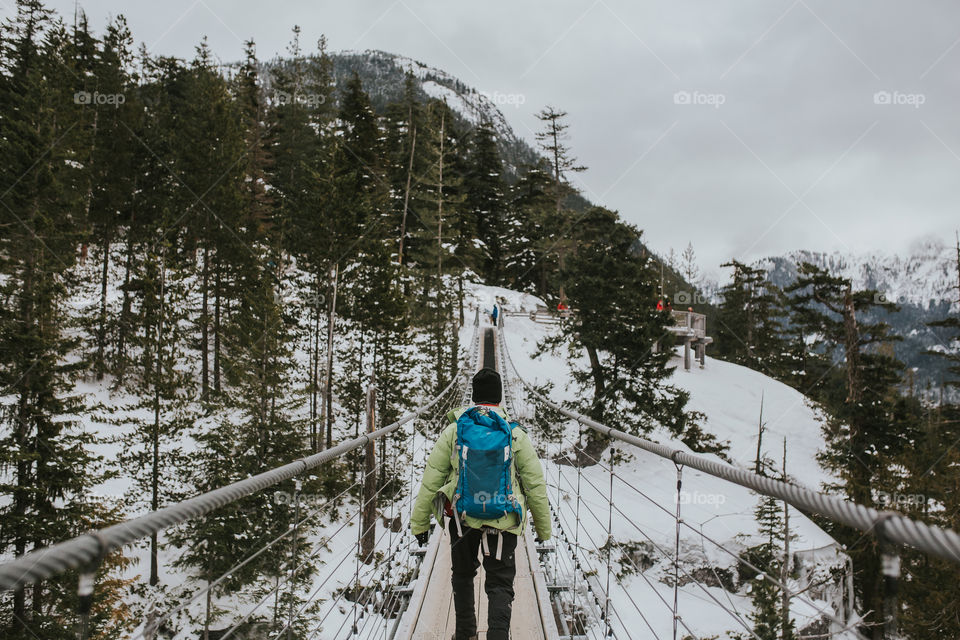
point(166, 617)
point(601, 608)
point(342, 560)
point(576, 531)
point(649, 584)
point(623, 586)
point(597, 519)
point(735, 615)
point(366, 597)
point(317, 590)
point(313, 555)
point(606, 611)
point(676, 553)
point(571, 568)
point(793, 594)
point(409, 500)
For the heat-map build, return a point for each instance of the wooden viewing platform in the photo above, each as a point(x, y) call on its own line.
point(691, 328)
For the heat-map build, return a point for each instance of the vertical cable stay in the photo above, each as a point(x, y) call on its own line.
point(606, 608)
point(793, 594)
point(676, 552)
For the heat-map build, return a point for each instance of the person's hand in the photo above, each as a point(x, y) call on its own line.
point(423, 538)
point(538, 540)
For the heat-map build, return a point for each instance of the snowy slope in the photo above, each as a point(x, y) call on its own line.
point(730, 397)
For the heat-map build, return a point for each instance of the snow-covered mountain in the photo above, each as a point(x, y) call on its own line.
point(925, 278)
point(922, 282)
point(383, 76)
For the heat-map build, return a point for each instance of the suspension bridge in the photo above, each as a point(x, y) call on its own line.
point(573, 586)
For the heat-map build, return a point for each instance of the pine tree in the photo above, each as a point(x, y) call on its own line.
point(869, 424)
point(529, 209)
point(749, 328)
point(41, 179)
point(552, 141)
point(688, 265)
point(486, 204)
point(627, 344)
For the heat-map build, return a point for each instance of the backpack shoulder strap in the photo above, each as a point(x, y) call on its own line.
point(517, 425)
point(454, 415)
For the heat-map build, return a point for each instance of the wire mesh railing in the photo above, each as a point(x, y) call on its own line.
point(889, 527)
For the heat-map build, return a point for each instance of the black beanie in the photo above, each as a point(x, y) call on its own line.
point(486, 387)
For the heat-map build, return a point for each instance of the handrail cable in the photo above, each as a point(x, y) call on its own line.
point(88, 549)
point(226, 574)
point(793, 594)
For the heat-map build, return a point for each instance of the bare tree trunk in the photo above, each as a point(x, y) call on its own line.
point(125, 310)
point(315, 371)
point(328, 382)
point(205, 327)
point(155, 470)
point(216, 327)
point(102, 322)
point(851, 348)
point(785, 568)
point(406, 193)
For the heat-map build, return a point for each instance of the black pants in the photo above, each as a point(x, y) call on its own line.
point(498, 582)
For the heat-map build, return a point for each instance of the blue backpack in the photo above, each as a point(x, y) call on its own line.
point(485, 452)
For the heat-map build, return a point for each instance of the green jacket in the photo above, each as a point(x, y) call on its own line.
point(440, 483)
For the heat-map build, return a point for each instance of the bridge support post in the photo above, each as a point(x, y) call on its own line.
point(369, 520)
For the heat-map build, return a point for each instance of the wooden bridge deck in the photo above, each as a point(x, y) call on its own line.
point(436, 620)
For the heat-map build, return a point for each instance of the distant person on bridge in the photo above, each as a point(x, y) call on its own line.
point(494, 314)
point(474, 523)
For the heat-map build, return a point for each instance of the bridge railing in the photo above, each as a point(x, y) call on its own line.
point(889, 527)
point(86, 552)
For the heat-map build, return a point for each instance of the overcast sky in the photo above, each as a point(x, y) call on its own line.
point(747, 127)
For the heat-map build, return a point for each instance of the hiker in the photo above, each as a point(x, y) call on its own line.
point(494, 314)
point(484, 490)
